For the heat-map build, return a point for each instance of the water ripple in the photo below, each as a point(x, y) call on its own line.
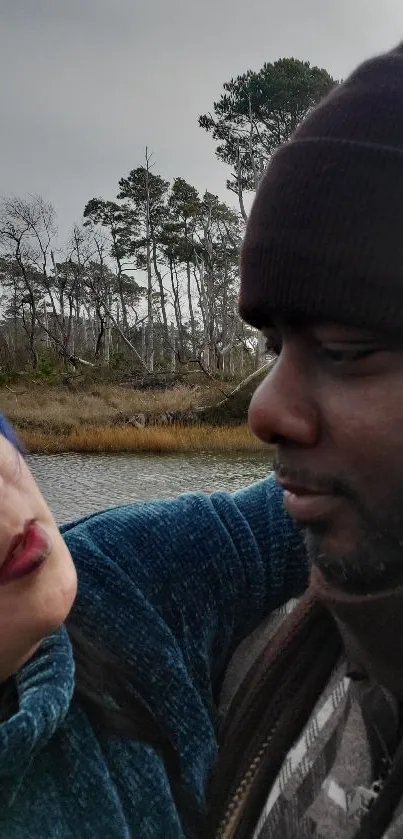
point(75, 485)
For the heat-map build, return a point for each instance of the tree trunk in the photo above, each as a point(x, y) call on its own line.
point(45, 320)
point(150, 324)
point(232, 361)
point(109, 314)
point(177, 308)
point(33, 352)
point(107, 341)
point(100, 336)
point(162, 294)
point(120, 282)
point(143, 342)
point(108, 334)
point(173, 348)
point(15, 326)
point(260, 350)
point(191, 312)
point(239, 186)
point(204, 308)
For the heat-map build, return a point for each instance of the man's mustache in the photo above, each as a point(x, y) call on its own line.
point(326, 484)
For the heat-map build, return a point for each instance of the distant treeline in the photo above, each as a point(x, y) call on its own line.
point(149, 280)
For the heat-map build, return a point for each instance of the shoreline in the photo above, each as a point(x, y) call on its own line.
point(120, 439)
point(112, 419)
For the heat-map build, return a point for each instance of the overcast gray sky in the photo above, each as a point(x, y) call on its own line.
point(86, 84)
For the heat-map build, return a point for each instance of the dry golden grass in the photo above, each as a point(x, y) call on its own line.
point(59, 409)
point(152, 439)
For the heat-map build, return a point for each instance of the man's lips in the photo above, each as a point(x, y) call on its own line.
point(308, 503)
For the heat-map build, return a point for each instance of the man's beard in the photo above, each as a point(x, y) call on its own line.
point(375, 561)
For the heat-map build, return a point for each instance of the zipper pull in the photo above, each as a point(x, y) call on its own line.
point(361, 800)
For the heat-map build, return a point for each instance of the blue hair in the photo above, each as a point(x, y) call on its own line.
point(8, 432)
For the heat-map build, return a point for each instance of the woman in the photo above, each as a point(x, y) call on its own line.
point(109, 687)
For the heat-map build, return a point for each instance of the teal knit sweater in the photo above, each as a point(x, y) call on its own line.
point(173, 587)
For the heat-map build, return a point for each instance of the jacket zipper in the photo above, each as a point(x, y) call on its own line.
point(230, 820)
point(238, 794)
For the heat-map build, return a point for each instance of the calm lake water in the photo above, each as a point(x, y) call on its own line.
point(75, 484)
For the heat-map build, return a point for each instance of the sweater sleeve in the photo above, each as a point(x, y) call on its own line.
point(172, 587)
point(205, 568)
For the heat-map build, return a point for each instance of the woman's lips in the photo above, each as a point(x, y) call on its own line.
point(27, 552)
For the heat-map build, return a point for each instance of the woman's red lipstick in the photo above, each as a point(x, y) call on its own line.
point(26, 554)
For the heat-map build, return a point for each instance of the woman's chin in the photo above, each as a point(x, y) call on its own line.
point(50, 594)
point(61, 594)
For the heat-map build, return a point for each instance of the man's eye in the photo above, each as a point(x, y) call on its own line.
point(347, 353)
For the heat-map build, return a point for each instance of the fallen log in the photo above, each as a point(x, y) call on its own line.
point(234, 408)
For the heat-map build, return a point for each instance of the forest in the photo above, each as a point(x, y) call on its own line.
point(148, 282)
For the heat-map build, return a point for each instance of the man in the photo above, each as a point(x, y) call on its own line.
point(322, 277)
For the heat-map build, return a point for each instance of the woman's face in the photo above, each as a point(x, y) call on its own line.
point(37, 577)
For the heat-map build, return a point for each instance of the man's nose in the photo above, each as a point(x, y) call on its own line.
point(283, 409)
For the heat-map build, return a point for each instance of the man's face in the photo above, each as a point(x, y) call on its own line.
point(332, 405)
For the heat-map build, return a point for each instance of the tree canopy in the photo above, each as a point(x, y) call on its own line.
point(259, 111)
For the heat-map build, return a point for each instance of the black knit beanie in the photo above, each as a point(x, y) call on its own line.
point(325, 234)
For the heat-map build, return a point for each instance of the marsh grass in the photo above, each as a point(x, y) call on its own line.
point(58, 409)
point(152, 439)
